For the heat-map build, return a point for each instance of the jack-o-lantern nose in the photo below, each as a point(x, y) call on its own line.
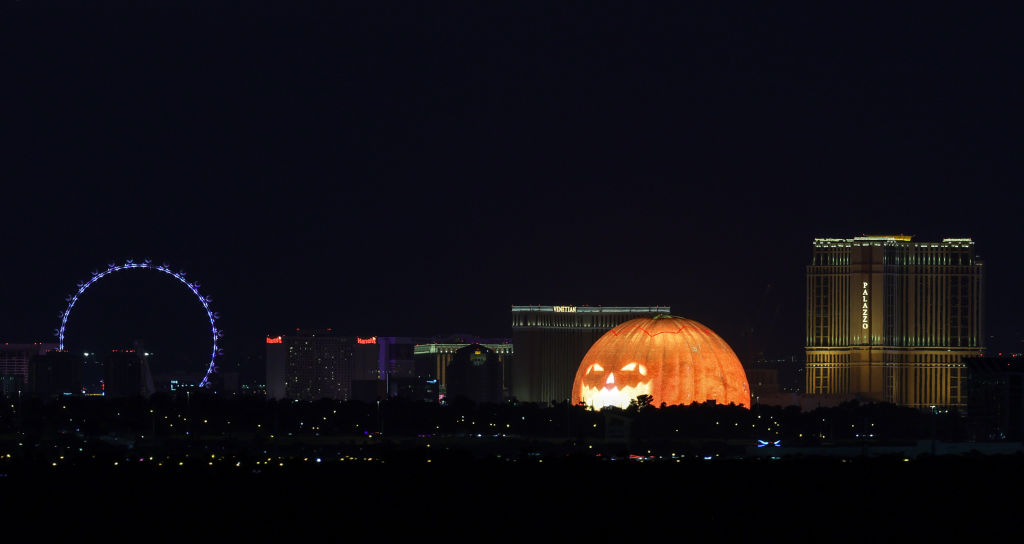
point(611, 378)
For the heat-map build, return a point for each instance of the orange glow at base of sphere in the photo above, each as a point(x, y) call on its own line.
point(673, 359)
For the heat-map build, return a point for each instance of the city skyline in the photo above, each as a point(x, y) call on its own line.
point(384, 215)
point(414, 174)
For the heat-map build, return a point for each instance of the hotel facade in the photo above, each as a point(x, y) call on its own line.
point(433, 359)
point(890, 319)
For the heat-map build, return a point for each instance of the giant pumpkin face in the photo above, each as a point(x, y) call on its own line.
point(614, 386)
point(675, 360)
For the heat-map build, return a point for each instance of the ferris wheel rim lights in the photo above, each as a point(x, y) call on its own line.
point(147, 264)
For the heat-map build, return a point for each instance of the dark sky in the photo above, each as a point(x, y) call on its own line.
point(417, 171)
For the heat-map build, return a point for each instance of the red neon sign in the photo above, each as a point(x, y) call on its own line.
point(275, 340)
point(370, 340)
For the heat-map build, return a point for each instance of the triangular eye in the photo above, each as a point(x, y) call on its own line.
point(643, 370)
point(630, 367)
point(595, 366)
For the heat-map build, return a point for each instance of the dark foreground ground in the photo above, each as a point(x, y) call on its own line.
point(576, 498)
point(207, 469)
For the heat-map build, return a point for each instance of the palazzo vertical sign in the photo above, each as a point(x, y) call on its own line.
point(864, 307)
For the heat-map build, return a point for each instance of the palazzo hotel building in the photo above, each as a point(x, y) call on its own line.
point(890, 319)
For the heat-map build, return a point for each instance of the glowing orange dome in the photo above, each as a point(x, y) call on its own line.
point(676, 360)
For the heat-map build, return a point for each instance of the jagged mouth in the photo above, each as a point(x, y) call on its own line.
point(614, 396)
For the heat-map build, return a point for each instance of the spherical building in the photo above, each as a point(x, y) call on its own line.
point(673, 359)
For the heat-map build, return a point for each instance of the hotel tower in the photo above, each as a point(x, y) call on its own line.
point(890, 319)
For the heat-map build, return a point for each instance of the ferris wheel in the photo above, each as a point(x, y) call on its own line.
point(216, 333)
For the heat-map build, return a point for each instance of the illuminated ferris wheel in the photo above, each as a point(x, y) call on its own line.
point(180, 276)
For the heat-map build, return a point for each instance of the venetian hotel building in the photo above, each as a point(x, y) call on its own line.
point(890, 319)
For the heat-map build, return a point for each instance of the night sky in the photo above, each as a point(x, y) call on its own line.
point(417, 171)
